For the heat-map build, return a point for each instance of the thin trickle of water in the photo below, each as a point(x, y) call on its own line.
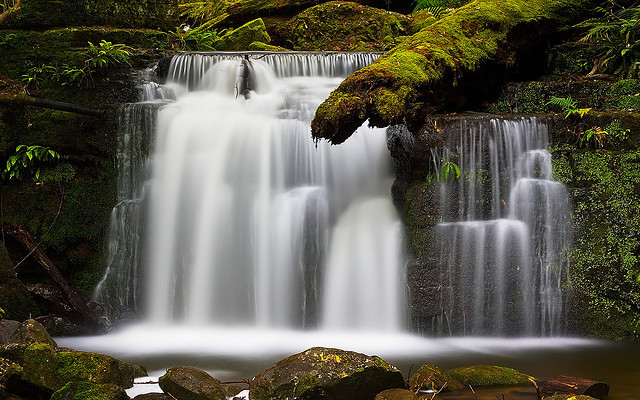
point(245, 211)
point(505, 232)
point(119, 288)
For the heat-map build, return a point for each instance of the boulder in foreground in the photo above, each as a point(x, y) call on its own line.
point(320, 373)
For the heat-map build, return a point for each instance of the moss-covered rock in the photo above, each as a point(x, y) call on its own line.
point(239, 39)
point(489, 375)
point(39, 367)
point(320, 372)
point(83, 390)
point(428, 73)
point(42, 14)
point(260, 46)
point(569, 397)
point(223, 13)
point(191, 383)
point(606, 259)
point(30, 332)
point(343, 26)
point(431, 377)
point(9, 370)
point(46, 368)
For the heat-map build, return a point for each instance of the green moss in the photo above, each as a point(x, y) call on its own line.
point(239, 39)
point(489, 375)
point(260, 46)
point(83, 390)
point(93, 367)
point(441, 53)
point(39, 365)
point(344, 26)
point(605, 264)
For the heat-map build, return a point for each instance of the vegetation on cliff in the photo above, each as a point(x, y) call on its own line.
point(412, 78)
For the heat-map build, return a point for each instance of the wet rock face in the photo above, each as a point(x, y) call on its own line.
point(325, 373)
point(190, 383)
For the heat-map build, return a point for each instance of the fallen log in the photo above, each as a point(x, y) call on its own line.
point(30, 243)
point(575, 386)
point(23, 99)
point(444, 65)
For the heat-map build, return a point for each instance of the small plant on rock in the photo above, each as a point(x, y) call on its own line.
point(106, 54)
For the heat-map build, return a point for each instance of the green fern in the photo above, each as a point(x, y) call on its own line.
point(615, 35)
point(435, 7)
point(566, 103)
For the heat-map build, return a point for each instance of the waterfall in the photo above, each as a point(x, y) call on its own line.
point(240, 219)
point(504, 229)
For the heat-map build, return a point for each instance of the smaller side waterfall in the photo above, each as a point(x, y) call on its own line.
point(504, 231)
point(121, 279)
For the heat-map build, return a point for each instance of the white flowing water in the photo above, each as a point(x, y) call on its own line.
point(249, 222)
point(506, 228)
point(236, 232)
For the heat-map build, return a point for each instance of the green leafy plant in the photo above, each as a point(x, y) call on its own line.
point(106, 53)
point(569, 106)
point(595, 134)
point(202, 38)
point(63, 74)
point(449, 170)
point(616, 132)
point(28, 161)
point(615, 34)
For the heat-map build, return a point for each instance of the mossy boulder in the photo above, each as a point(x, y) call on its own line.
point(83, 390)
point(569, 397)
point(191, 383)
point(397, 394)
point(9, 371)
point(46, 368)
point(489, 375)
point(321, 372)
point(343, 26)
point(431, 377)
point(239, 39)
point(30, 332)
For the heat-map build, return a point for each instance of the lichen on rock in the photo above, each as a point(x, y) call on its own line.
point(322, 371)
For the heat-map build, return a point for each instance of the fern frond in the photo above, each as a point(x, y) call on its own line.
point(566, 103)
